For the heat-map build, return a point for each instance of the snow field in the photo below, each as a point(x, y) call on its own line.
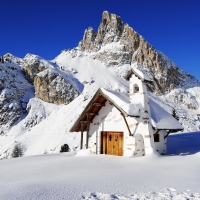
point(78, 176)
point(66, 176)
point(166, 194)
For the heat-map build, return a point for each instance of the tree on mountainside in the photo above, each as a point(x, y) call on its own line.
point(17, 151)
point(174, 114)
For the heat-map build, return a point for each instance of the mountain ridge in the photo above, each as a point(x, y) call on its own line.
point(129, 47)
point(49, 104)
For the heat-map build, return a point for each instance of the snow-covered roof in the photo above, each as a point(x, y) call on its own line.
point(139, 74)
point(121, 100)
point(160, 119)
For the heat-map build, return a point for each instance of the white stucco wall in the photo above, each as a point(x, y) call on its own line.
point(110, 119)
point(141, 94)
point(139, 145)
point(160, 146)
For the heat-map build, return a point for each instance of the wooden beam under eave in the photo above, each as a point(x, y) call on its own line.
point(87, 133)
point(83, 122)
point(92, 113)
point(157, 132)
point(126, 124)
point(170, 131)
point(81, 142)
point(98, 104)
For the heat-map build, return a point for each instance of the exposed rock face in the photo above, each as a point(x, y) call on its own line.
point(48, 82)
point(128, 47)
point(13, 88)
point(32, 66)
point(32, 70)
point(51, 87)
point(110, 30)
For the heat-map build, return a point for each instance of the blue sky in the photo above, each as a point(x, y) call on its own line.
point(45, 27)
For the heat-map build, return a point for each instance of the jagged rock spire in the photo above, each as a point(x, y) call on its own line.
point(129, 47)
point(110, 30)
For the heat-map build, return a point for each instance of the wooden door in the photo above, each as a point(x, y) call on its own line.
point(103, 142)
point(112, 143)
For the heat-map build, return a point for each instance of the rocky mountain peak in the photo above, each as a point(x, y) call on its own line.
point(113, 30)
point(116, 44)
point(88, 40)
point(110, 28)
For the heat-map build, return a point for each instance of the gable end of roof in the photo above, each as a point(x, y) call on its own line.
point(131, 72)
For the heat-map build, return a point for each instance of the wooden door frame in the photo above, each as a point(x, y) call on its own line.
point(104, 134)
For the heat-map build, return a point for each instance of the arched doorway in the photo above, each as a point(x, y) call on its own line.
point(139, 146)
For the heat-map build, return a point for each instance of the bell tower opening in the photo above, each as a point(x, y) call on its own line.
point(135, 88)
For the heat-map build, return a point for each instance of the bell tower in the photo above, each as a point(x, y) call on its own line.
point(139, 96)
point(138, 88)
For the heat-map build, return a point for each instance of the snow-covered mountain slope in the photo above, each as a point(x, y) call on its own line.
point(40, 99)
point(46, 126)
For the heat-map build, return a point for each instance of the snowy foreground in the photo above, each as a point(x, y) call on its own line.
point(71, 176)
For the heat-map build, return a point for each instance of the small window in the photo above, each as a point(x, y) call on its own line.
point(135, 88)
point(156, 138)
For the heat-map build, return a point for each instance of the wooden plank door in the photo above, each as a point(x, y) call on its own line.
point(104, 142)
point(112, 143)
point(121, 142)
point(116, 144)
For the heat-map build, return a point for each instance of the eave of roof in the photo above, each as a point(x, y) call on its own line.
point(76, 126)
point(161, 119)
point(73, 128)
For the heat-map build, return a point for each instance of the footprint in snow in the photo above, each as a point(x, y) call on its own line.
point(172, 189)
